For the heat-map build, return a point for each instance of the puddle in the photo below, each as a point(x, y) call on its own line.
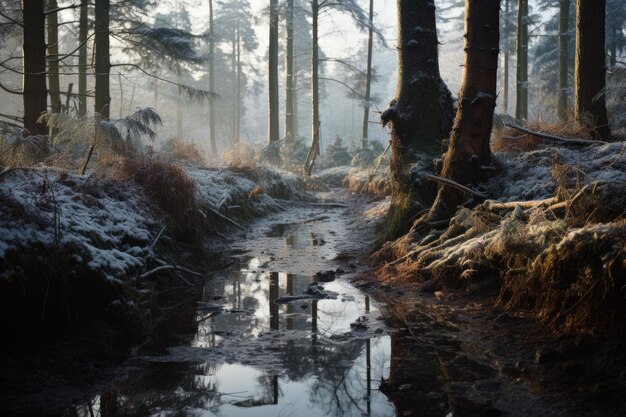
point(254, 357)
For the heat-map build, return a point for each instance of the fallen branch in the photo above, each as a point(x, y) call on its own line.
point(456, 185)
point(495, 205)
point(155, 270)
point(227, 219)
point(578, 142)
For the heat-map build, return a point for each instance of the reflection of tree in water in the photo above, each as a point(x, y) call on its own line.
point(158, 387)
point(341, 384)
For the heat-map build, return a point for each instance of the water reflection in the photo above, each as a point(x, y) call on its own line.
point(252, 356)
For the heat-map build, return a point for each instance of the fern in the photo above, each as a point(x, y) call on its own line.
point(96, 132)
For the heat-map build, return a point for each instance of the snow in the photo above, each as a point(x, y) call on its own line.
point(109, 225)
point(527, 175)
point(102, 222)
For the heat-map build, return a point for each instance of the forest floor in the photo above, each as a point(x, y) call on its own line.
point(470, 331)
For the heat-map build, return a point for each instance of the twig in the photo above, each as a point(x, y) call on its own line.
point(451, 183)
point(380, 160)
point(156, 239)
point(229, 220)
point(579, 142)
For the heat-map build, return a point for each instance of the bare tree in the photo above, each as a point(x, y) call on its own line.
point(103, 63)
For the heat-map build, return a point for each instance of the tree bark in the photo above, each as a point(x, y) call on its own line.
point(521, 107)
point(103, 63)
point(54, 85)
point(563, 58)
point(82, 57)
point(212, 138)
point(368, 80)
point(420, 116)
point(590, 67)
point(315, 132)
point(289, 74)
point(273, 128)
point(469, 141)
point(35, 94)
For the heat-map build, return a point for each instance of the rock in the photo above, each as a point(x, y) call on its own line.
point(326, 276)
point(360, 323)
point(339, 271)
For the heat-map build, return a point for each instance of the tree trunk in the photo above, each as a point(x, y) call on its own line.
point(273, 128)
point(82, 57)
point(289, 85)
point(368, 80)
point(54, 85)
point(35, 94)
point(421, 113)
point(613, 46)
point(505, 95)
point(563, 58)
point(590, 67)
point(469, 142)
point(295, 102)
point(315, 132)
point(235, 138)
point(103, 63)
point(238, 96)
point(521, 107)
point(212, 82)
point(179, 104)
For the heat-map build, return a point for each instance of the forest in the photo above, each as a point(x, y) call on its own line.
point(313, 208)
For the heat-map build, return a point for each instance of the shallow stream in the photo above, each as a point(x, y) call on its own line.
point(284, 334)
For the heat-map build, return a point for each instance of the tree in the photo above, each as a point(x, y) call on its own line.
point(469, 141)
point(35, 95)
point(289, 73)
point(590, 67)
point(521, 107)
point(212, 138)
point(563, 58)
point(420, 115)
point(83, 31)
point(53, 57)
point(273, 134)
point(506, 46)
point(103, 62)
point(357, 14)
point(233, 27)
point(615, 22)
point(368, 78)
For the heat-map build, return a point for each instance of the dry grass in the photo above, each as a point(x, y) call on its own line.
point(171, 189)
point(185, 152)
point(513, 140)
